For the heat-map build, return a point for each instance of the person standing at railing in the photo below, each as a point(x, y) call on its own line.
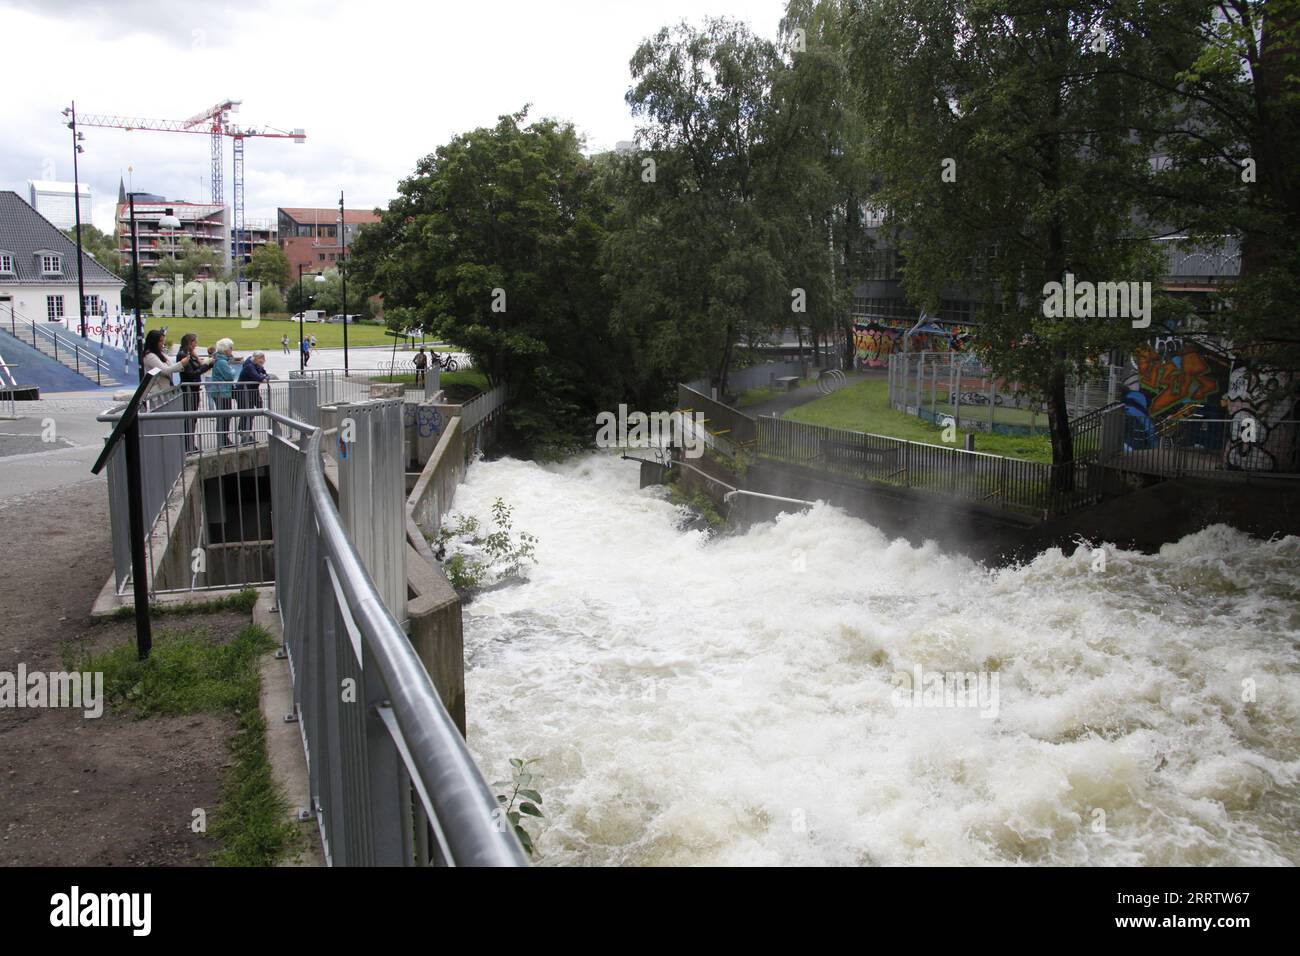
point(192, 369)
point(421, 364)
point(248, 390)
point(155, 357)
point(223, 377)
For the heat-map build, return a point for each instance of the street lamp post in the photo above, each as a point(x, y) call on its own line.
point(135, 292)
point(344, 279)
point(302, 312)
point(76, 202)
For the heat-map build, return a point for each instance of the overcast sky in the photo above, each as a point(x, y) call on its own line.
point(375, 83)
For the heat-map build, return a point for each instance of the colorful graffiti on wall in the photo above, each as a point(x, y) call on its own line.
point(876, 340)
point(1175, 379)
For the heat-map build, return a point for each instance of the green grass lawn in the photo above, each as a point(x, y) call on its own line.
point(266, 334)
point(756, 396)
point(1005, 414)
point(864, 407)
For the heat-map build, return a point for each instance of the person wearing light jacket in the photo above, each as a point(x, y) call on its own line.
point(154, 357)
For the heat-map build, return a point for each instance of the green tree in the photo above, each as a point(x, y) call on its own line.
point(1228, 143)
point(190, 261)
point(100, 245)
point(269, 266)
point(1022, 106)
point(492, 244)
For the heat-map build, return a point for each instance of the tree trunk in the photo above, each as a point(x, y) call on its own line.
point(1058, 423)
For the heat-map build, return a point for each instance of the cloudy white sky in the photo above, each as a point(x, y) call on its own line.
point(375, 83)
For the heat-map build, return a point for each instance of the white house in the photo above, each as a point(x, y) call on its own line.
point(38, 272)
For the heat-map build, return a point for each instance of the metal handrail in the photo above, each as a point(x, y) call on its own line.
point(98, 364)
point(461, 801)
point(456, 797)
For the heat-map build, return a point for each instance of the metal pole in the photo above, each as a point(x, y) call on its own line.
point(139, 574)
point(135, 293)
point(302, 310)
point(343, 277)
point(76, 202)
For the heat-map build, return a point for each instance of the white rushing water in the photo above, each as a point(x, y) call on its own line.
point(732, 701)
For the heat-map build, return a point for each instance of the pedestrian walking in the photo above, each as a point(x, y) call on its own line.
point(284, 344)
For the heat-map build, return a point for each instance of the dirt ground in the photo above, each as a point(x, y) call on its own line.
point(112, 791)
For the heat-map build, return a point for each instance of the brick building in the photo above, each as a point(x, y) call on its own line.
point(310, 237)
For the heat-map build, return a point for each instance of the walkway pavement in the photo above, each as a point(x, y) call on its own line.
point(782, 402)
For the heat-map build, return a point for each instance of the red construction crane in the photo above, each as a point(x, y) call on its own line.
point(215, 123)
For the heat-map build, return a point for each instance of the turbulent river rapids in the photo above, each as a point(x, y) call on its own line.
point(736, 699)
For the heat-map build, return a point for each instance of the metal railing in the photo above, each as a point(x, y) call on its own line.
point(175, 455)
point(940, 385)
point(359, 385)
point(82, 360)
point(392, 781)
point(1226, 448)
point(482, 407)
point(726, 429)
point(1015, 485)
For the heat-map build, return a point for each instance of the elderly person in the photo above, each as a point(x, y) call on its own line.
point(248, 390)
point(223, 389)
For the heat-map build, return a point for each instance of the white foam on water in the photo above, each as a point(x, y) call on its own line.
point(697, 701)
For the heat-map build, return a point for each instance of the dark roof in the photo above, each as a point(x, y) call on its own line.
point(24, 232)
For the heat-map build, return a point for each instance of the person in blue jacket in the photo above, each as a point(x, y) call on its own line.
point(248, 391)
point(223, 377)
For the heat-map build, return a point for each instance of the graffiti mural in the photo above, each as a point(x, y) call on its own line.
point(876, 340)
point(1262, 435)
point(1177, 379)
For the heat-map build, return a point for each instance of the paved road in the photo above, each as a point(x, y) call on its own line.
point(51, 445)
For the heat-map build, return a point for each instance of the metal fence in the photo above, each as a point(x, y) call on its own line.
point(1226, 448)
point(1024, 487)
point(940, 385)
point(224, 518)
point(482, 407)
point(726, 429)
point(392, 781)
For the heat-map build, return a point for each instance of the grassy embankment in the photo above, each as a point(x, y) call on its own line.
point(864, 407)
point(266, 334)
point(191, 671)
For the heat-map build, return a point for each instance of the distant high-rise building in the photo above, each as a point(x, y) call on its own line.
point(55, 202)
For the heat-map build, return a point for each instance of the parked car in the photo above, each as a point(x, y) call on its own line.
point(311, 315)
point(350, 319)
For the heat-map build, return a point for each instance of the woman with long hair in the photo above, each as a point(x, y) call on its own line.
point(154, 357)
point(193, 367)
